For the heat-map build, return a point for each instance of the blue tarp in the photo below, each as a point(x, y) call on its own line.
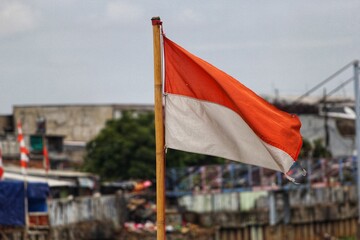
point(38, 190)
point(37, 205)
point(12, 201)
point(37, 194)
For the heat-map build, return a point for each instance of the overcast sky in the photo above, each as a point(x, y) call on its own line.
point(100, 51)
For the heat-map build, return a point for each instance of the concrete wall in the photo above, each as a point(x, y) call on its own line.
point(75, 123)
point(313, 128)
point(78, 124)
point(5, 123)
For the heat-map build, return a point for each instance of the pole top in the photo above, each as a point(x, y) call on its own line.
point(156, 21)
point(356, 62)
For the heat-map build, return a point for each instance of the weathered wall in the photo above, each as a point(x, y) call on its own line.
point(76, 123)
point(315, 214)
point(87, 217)
point(5, 123)
point(312, 128)
point(329, 230)
point(307, 205)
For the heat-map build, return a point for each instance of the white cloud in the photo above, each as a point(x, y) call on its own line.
point(316, 43)
point(301, 44)
point(189, 16)
point(16, 17)
point(123, 12)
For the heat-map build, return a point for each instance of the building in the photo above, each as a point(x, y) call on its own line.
point(66, 129)
point(331, 121)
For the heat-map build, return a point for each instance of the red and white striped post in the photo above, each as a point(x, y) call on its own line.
point(24, 159)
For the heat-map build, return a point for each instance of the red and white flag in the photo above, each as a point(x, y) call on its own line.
point(24, 159)
point(209, 112)
point(1, 165)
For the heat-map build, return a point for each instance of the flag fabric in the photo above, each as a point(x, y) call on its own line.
point(46, 158)
point(24, 159)
point(209, 112)
point(1, 165)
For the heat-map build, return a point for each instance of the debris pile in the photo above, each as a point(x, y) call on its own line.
point(125, 186)
point(142, 222)
point(141, 210)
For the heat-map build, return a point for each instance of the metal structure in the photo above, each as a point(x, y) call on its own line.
point(357, 131)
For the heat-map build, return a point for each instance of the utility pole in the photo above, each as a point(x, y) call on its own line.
point(357, 133)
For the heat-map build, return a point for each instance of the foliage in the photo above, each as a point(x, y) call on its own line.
point(306, 149)
point(320, 150)
point(316, 149)
point(125, 149)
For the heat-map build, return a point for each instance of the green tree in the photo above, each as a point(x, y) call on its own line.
point(125, 149)
point(320, 150)
point(315, 149)
point(306, 149)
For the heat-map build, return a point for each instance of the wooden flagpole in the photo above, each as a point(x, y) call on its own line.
point(159, 132)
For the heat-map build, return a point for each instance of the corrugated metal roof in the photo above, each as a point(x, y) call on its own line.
point(52, 173)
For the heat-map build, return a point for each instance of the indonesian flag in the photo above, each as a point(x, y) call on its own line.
point(209, 112)
point(24, 159)
point(1, 165)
